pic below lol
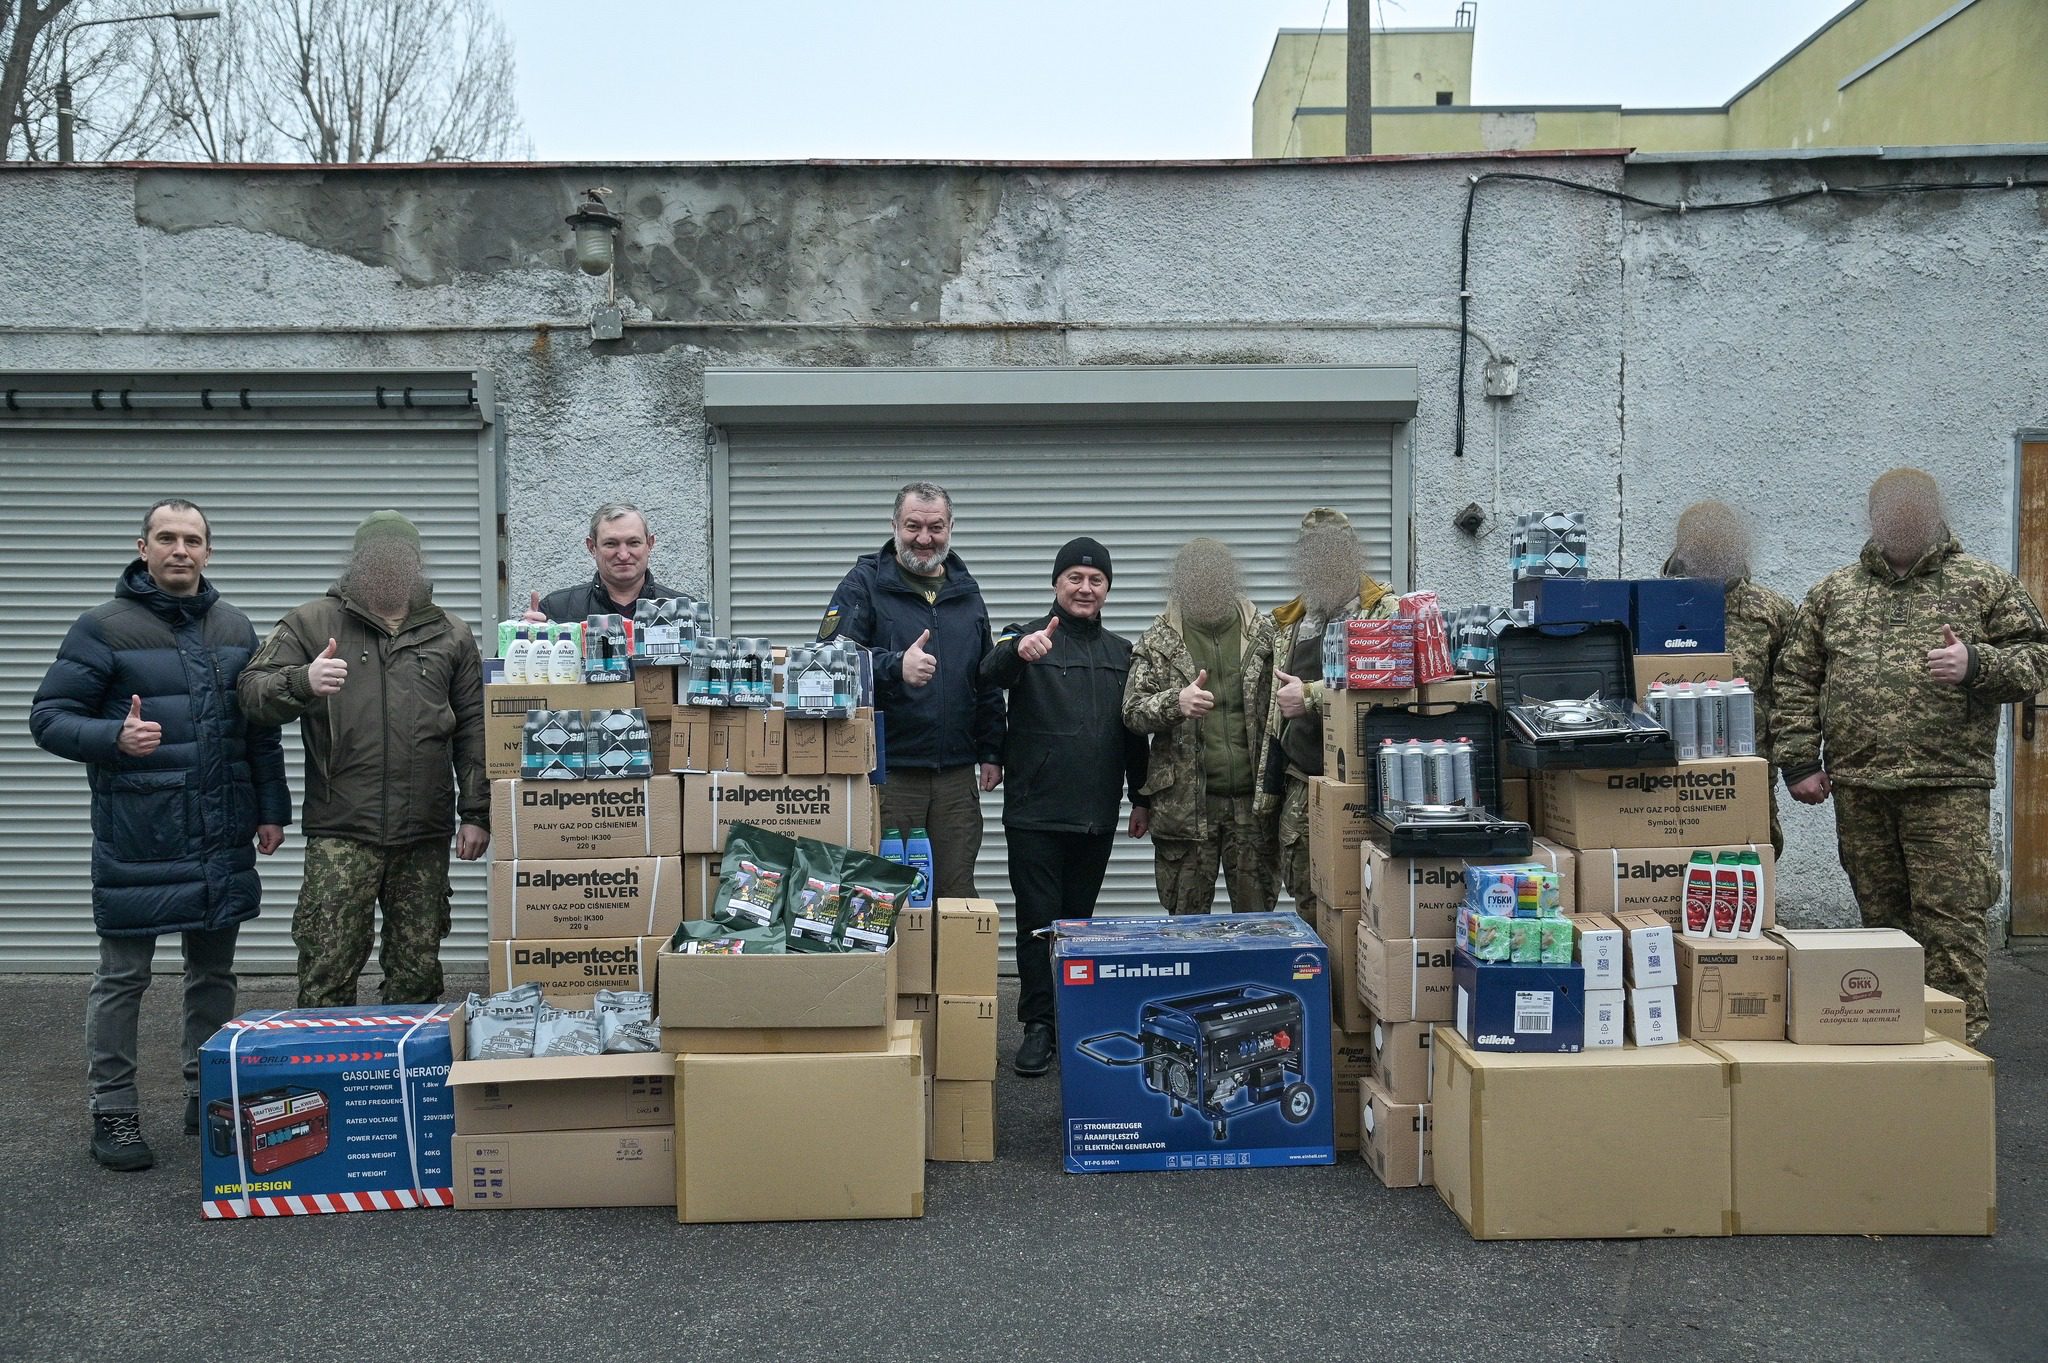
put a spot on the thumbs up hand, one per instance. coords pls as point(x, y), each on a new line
point(1032, 647)
point(139, 737)
point(1195, 700)
point(918, 665)
point(1950, 663)
point(1292, 695)
point(326, 673)
point(534, 615)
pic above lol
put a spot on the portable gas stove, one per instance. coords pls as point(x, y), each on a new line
point(1589, 725)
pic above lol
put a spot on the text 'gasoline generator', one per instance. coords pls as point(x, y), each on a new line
point(280, 1126)
point(1223, 1053)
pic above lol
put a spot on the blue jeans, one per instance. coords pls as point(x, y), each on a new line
point(113, 1009)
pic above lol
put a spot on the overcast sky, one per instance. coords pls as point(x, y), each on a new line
point(1056, 79)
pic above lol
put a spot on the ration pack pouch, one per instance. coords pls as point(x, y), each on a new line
point(846, 900)
point(752, 878)
point(563, 1031)
point(501, 1026)
point(705, 937)
point(625, 1021)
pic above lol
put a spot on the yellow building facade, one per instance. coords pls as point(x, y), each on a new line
point(1880, 73)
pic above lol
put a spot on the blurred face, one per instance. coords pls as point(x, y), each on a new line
point(621, 550)
point(1081, 592)
point(924, 536)
point(175, 550)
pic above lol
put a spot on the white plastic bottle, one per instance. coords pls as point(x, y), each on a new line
point(519, 657)
point(565, 659)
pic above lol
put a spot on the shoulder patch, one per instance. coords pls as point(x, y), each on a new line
point(829, 626)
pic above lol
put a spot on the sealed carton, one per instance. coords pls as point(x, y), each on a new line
point(850, 748)
point(1609, 1143)
point(963, 1121)
point(1406, 979)
point(1350, 1054)
point(622, 1167)
point(1709, 802)
point(1394, 1137)
point(1668, 669)
point(1652, 962)
point(1861, 1140)
point(700, 885)
point(555, 819)
point(1515, 801)
point(796, 1001)
point(505, 707)
point(1520, 1008)
point(689, 739)
point(660, 750)
point(967, 1038)
point(747, 740)
point(1462, 690)
point(654, 689)
point(1346, 1123)
point(1401, 1054)
point(835, 809)
point(558, 1093)
point(1945, 1015)
point(916, 951)
point(587, 897)
point(1338, 930)
point(570, 972)
point(923, 1011)
point(1853, 986)
point(1343, 753)
point(1606, 1017)
point(1652, 879)
point(1602, 948)
point(1410, 896)
point(803, 746)
point(1339, 817)
point(1653, 1016)
point(969, 931)
point(1731, 989)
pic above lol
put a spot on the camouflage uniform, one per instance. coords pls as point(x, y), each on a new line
point(1195, 834)
point(1759, 621)
point(346, 881)
point(1912, 760)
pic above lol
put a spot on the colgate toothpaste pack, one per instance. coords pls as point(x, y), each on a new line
point(1369, 655)
point(1432, 643)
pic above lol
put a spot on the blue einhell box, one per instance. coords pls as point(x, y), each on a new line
point(1561, 600)
point(1526, 1008)
point(1680, 615)
point(326, 1110)
point(1194, 1043)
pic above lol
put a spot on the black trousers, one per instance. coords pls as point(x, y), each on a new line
point(1052, 876)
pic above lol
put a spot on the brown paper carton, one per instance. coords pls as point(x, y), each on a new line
point(559, 1093)
point(1343, 759)
point(923, 1010)
point(1731, 989)
point(1338, 929)
point(1395, 1138)
point(836, 809)
point(629, 1167)
point(1350, 1054)
point(689, 739)
point(1946, 1015)
point(505, 707)
point(747, 740)
point(968, 933)
point(967, 1038)
point(963, 1121)
point(803, 746)
point(799, 1001)
point(1344, 1114)
point(571, 972)
point(1652, 879)
point(850, 744)
point(916, 951)
point(586, 897)
point(1853, 986)
point(654, 689)
point(587, 818)
point(1401, 1054)
point(1653, 669)
point(1404, 979)
point(1711, 802)
point(1338, 822)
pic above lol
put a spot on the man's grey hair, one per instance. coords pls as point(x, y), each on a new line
point(176, 504)
point(923, 492)
point(611, 511)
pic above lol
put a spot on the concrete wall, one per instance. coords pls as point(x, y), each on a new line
point(1779, 357)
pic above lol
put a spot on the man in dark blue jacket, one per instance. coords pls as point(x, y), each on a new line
point(185, 792)
point(915, 607)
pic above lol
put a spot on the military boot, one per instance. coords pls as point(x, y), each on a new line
point(117, 1141)
point(191, 1114)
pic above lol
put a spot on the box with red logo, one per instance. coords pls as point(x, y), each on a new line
point(1194, 1043)
point(1432, 645)
point(1372, 655)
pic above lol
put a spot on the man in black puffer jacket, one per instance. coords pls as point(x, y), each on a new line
point(185, 792)
point(1067, 761)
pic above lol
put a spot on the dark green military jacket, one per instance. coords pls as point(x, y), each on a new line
point(1160, 666)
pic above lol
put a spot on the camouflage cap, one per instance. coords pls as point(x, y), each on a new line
point(1319, 516)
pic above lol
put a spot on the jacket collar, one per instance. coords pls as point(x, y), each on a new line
point(1247, 617)
point(1878, 566)
point(421, 610)
point(138, 586)
point(958, 580)
point(1370, 593)
point(1076, 625)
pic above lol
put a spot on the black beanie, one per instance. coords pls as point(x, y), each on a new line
point(1082, 553)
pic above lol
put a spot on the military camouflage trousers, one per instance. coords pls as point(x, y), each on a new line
point(1920, 861)
point(1239, 845)
point(1294, 847)
point(346, 883)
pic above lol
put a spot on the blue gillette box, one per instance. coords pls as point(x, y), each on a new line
point(1526, 1008)
point(313, 1110)
point(1561, 600)
point(1679, 615)
point(1197, 1042)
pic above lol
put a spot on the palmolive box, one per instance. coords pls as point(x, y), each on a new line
point(1197, 1042)
point(628, 818)
point(1708, 802)
point(1731, 989)
point(570, 972)
point(1853, 986)
point(587, 897)
point(835, 809)
point(1652, 879)
point(506, 704)
point(1394, 1137)
point(1404, 979)
point(313, 1110)
point(1343, 757)
point(1339, 818)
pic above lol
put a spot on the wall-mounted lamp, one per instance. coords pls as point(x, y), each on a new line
point(596, 228)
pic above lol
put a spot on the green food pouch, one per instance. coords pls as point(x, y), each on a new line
point(705, 937)
point(815, 896)
point(753, 878)
point(872, 894)
point(1555, 936)
point(1525, 941)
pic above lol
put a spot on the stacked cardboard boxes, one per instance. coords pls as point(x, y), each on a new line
point(961, 1006)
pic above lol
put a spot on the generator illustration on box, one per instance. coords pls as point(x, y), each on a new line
point(1194, 1043)
point(278, 1126)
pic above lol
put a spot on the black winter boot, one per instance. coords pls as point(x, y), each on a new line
point(1034, 1053)
point(191, 1114)
point(117, 1141)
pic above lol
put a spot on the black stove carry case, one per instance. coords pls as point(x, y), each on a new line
point(1495, 835)
point(1571, 661)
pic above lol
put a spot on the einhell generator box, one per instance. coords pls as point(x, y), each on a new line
point(1194, 1043)
point(326, 1110)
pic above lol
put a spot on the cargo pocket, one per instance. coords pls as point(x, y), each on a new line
point(149, 815)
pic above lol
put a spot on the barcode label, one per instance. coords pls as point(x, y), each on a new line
point(1746, 1007)
point(1533, 1010)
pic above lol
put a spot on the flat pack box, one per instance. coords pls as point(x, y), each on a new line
point(1862, 1140)
point(1525, 1146)
point(1338, 930)
point(1731, 989)
point(1193, 1043)
point(1401, 1054)
point(1525, 1009)
point(781, 1002)
point(617, 1167)
point(1853, 986)
point(1394, 1137)
point(1669, 669)
point(571, 971)
point(559, 1092)
point(556, 819)
point(1946, 1015)
point(1338, 820)
point(1652, 879)
point(801, 1137)
point(506, 704)
point(747, 740)
point(967, 1038)
point(586, 897)
point(963, 1121)
point(326, 1110)
point(967, 936)
point(916, 949)
point(835, 809)
point(654, 689)
point(922, 1010)
point(1707, 802)
point(1344, 756)
point(1406, 979)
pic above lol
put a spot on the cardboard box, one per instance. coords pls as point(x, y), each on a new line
point(850, 745)
point(1230, 1009)
point(505, 707)
point(700, 885)
point(1462, 691)
point(1731, 989)
point(963, 1121)
point(747, 740)
point(1525, 1146)
point(559, 1093)
point(1653, 1016)
point(1521, 1008)
point(1652, 879)
point(836, 809)
point(1853, 986)
point(627, 1167)
point(1401, 1054)
point(916, 951)
point(689, 739)
point(803, 746)
point(1345, 1123)
point(798, 1001)
point(1338, 930)
point(1606, 1017)
point(1350, 1054)
point(967, 1038)
point(1862, 1140)
point(1602, 948)
point(586, 897)
point(1946, 1015)
point(1652, 960)
point(1410, 896)
point(1679, 615)
point(1338, 821)
point(969, 931)
point(654, 689)
point(632, 818)
point(801, 1137)
point(1668, 669)
point(1710, 802)
point(1555, 856)
point(1394, 1137)
point(326, 1110)
point(1343, 759)
point(1406, 979)
point(571, 972)
point(1516, 802)
point(923, 1011)
point(660, 751)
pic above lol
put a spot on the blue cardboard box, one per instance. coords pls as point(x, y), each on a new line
point(1532, 1009)
point(315, 1110)
point(1560, 600)
point(1680, 615)
point(1194, 1043)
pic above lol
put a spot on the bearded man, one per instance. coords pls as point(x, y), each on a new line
point(1199, 683)
point(1329, 567)
point(1888, 699)
point(388, 689)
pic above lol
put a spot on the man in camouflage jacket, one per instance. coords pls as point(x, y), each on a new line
point(1888, 699)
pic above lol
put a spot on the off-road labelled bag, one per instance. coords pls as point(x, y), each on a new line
point(625, 1021)
point(845, 900)
point(501, 1026)
point(562, 1031)
point(752, 878)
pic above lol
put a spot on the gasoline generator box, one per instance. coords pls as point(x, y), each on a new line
point(1194, 1043)
point(313, 1110)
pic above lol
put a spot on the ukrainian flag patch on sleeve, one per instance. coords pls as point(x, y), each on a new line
point(829, 626)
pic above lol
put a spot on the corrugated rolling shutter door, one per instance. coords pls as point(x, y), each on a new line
point(283, 488)
point(800, 503)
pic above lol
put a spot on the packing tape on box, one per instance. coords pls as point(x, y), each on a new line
point(241, 1203)
point(653, 897)
point(1537, 849)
